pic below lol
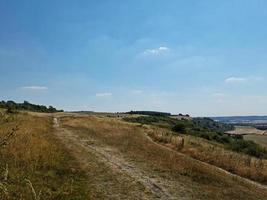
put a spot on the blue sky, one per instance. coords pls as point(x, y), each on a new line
point(205, 58)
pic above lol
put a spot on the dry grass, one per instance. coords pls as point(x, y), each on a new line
point(240, 164)
point(38, 167)
point(260, 139)
point(200, 181)
point(244, 130)
point(207, 151)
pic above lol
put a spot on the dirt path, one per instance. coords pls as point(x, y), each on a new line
point(123, 170)
point(114, 161)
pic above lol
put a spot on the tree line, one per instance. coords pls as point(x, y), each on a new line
point(151, 113)
point(12, 106)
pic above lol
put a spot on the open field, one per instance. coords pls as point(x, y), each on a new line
point(246, 130)
point(126, 150)
point(260, 139)
point(100, 156)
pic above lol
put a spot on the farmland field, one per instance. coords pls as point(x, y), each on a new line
point(246, 130)
point(260, 139)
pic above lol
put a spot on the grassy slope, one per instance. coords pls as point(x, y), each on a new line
point(183, 175)
point(206, 150)
point(35, 154)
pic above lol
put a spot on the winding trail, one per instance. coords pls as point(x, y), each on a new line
point(122, 176)
point(114, 161)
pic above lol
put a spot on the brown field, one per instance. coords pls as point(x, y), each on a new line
point(260, 139)
point(89, 156)
point(246, 130)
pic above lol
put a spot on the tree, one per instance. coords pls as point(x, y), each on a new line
point(179, 128)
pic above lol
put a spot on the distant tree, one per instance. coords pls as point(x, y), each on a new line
point(12, 106)
point(52, 109)
point(151, 113)
point(179, 128)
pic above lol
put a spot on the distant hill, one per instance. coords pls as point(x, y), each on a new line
point(241, 119)
point(11, 106)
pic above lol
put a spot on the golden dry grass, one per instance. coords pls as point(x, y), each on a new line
point(199, 180)
point(240, 164)
point(38, 161)
point(242, 130)
point(213, 153)
point(38, 166)
point(260, 139)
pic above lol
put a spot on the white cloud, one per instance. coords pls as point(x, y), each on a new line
point(104, 94)
point(235, 80)
point(156, 51)
point(33, 87)
point(250, 79)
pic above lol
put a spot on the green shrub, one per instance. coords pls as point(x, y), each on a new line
point(248, 147)
point(11, 106)
point(179, 128)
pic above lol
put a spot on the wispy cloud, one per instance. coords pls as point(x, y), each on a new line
point(234, 79)
point(157, 51)
point(103, 94)
point(250, 79)
point(34, 87)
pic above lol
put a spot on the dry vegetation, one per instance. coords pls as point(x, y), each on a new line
point(213, 153)
point(183, 176)
point(33, 163)
point(36, 163)
point(245, 130)
point(260, 139)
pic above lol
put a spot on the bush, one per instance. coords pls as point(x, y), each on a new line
point(179, 128)
point(248, 147)
point(11, 110)
point(225, 139)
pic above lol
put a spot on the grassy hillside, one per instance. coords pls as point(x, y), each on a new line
point(33, 164)
point(98, 156)
point(182, 176)
point(208, 144)
point(205, 128)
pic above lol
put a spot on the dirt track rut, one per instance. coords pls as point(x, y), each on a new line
point(113, 160)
